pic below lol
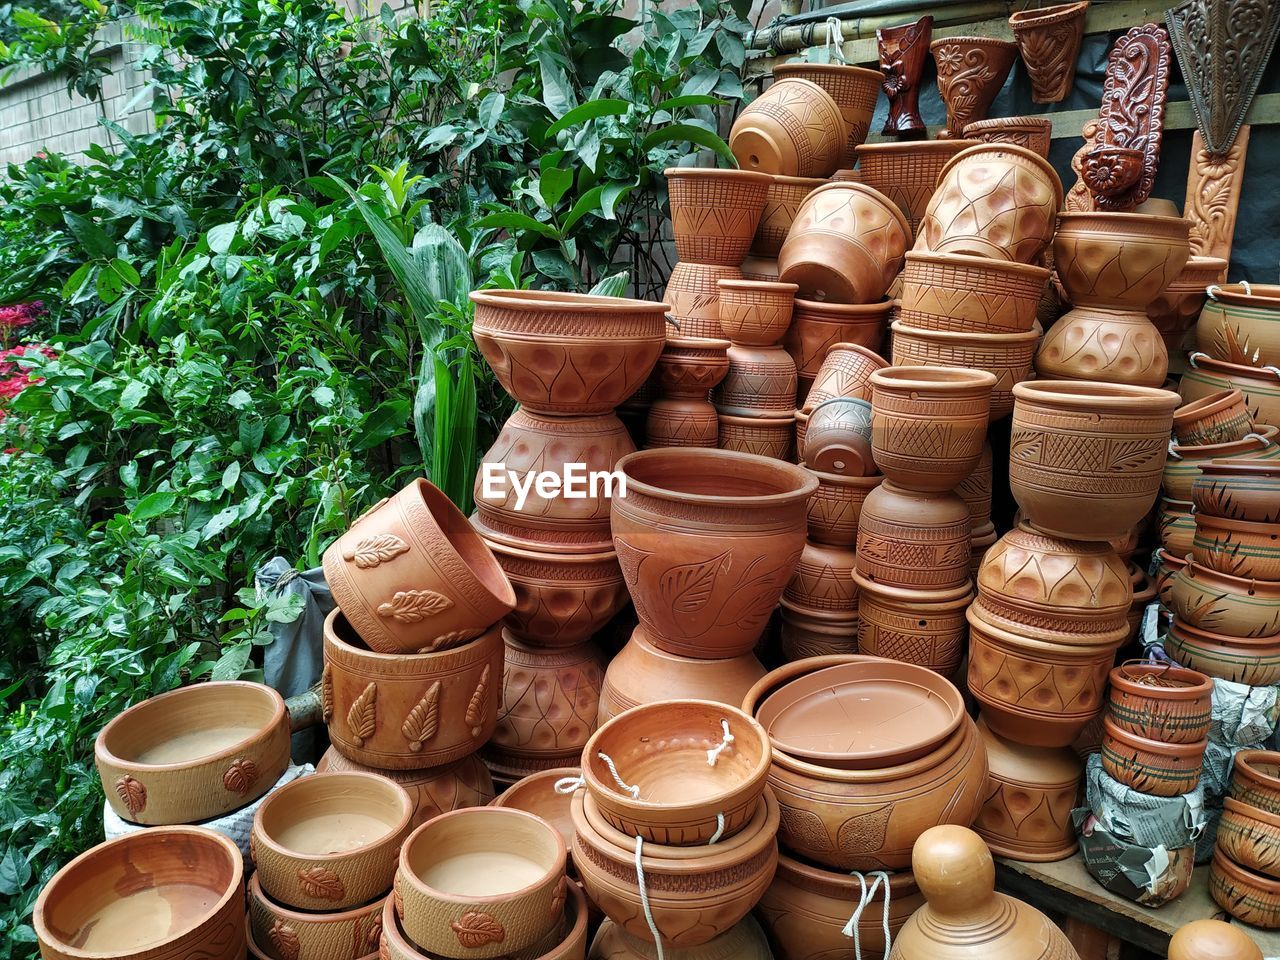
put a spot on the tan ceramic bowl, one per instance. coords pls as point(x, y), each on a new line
point(283, 933)
point(331, 840)
point(434, 790)
point(257, 953)
point(149, 895)
point(1221, 603)
point(481, 882)
point(1243, 893)
point(195, 753)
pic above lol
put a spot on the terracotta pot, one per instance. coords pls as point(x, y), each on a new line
point(530, 442)
point(1261, 388)
point(258, 953)
point(772, 438)
point(687, 370)
point(854, 89)
point(714, 213)
point(903, 50)
point(1241, 324)
point(193, 754)
point(1255, 662)
point(1167, 567)
point(806, 908)
point(1160, 702)
point(869, 819)
point(929, 424)
point(1177, 526)
point(975, 491)
point(765, 268)
point(1238, 490)
point(282, 932)
point(1175, 311)
point(793, 129)
point(1243, 893)
point(982, 540)
point(433, 791)
point(1231, 606)
point(845, 372)
point(1033, 133)
point(755, 312)
point(921, 627)
point(812, 632)
point(823, 579)
point(103, 903)
point(913, 540)
point(571, 354)
point(692, 899)
point(1212, 940)
point(846, 245)
point(1085, 459)
point(1097, 344)
point(1250, 837)
point(729, 527)
point(760, 384)
point(693, 290)
point(967, 294)
point(907, 173)
point(836, 507)
point(1031, 793)
point(1006, 356)
point(837, 438)
point(743, 941)
point(781, 203)
point(1183, 466)
point(537, 794)
point(816, 328)
point(1118, 260)
point(408, 712)
point(1153, 767)
point(1049, 41)
point(481, 882)
point(1255, 780)
point(1238, 547)
point(971, 71)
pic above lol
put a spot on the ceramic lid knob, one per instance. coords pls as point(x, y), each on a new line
point(954, 870)
point(1212, 940)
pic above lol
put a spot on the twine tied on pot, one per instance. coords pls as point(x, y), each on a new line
point(851, 929)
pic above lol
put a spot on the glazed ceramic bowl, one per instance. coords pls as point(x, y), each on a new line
point(1153, 767)
point(1255, 779)
point(837, 438)
point(282, 932)
point(1177, 526)
point(692, 782)
point(794, 129)
point(1218, 418)
point(845, 372)
point(1261, 387)
point(836, 507)
point(1183, 466)
point(330, 841)
point(1243, 893)
point(1241, 321)
point(1238, 547)
point(1250, 837)
point(1252, 661)
point(962, 293)
point(434, 790)
point(412, 576)
point(755, 312)
point(922, 627)
point(1007, 356)
point(481, 882)
point(103, 904)
point(572, 354)
point(1118, 260)
point(409, 711)
point(854, 89)
point(1159, 701)
point(816, 328)
point(1232, 606)
point(193, 754)
point(1247, 490)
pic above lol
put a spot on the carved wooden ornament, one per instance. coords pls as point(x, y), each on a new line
point(903, 51)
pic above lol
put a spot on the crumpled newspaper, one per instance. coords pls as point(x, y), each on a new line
point(1243, 715)
point(1151, 876)
point(1140, 818)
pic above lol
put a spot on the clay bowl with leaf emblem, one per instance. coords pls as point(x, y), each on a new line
point(282, 932)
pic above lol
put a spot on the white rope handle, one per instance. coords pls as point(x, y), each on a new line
point(853, 927)
point(1196, 355)
point(1211, 291)
point(715, 837)
point(1266, 442)
point(714, 753)
point(622, 784)
point(1172, 451)
point(1248, 290)
point(1271, 369)
point(567, 785)
point(835, 34)
point(644, 897)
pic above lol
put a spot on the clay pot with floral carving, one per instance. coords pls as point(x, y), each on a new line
point(1218, 418)
point(915, 540)
point(845, 372)
point(769, 437)
point(1176, 310)
point(281, 931)
point(1049, 40)
point(836, 507)
point(434, 790)
point(760, 383)
point(714, 213)
point(837, 438)
point(971, 71)
point(780, 207)
point(846, 245)
point(817, 327)
point(693, 291)
point(794, 128)
point(1240, 323)
point(687, 370)
point(967, 294)
point(1033, 133)
point(1227, 605)
point(813, 632)
point(1261, 388)
point(907, 173)
point(854, 89)
point(1159, 701)
point(1182, 467)
point(913, 625)
point(1238, 490)
point(1006, 356)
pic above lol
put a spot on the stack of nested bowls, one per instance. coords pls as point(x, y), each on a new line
point(1260, 385)
point(845, 371)
point(1244, 878)
point(867, 754)
point(325, 849)
point(819, 327)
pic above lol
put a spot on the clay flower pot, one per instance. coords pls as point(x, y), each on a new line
point(433, 791)
point(816, 328)
point(1118, 260)
point(103, 904)
point(807, 631)
point(1096, 344)
point(1177, 526)
point(1160, 702)
point(780, 206)
point(693, 290)
point(1049, 41)
point(693, 895)
point(687, 370)
point(724, 528)
point(1176, 310)
point(1167, 566)
point(714, 213)
point(1261, 388)
point(1210, 940)
point(921, 627)
point(1243, 893)
point(794, 129)
point(642, 673)
point(193, 754)
point(281, 932)
point(838, 438)
point(537, 794)
point(1250, 837)
point(907, 173)
point(1255, 779)
point(971, 71)
point(1221, 603)
point(482, 882)
point(760, 384)
point(258, 953)
point(975, 491)
point(845, 372)
point(754, 312)
point(408, 712)
point(929, 424)
point(1241, 323)
point(836, 507)
point(806, 908)
point(1218, 418)
point(572, 354)
point(1238, 490)
point(994, 200)
point(1151, 766)
point(1033, 133)
point(824, 580)
point(1252, 661)
point(913, 540)
point(854, 89)
point(846, 245)
point(412, 575)
point(1183, 465)
point(1006, 356)
point(1238, 547)
point(1085, 459)
point(966, 294)
point(769, 437)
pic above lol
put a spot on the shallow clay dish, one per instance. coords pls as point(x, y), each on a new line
point(195, 753)
point(330, 841)
point(282, 932)
point(164, 893)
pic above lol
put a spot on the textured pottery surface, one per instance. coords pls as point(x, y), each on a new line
point(824, 579)
point(693, 291)
point(1238, 547)
point(794, 129)
point(193, 754)
point(1034, 133)
point(1218, 418)
point(743, 941)
point(1241, 324)
point(683, 417)
point(907, 173)
point(1118, 260)
point(971, 71)
point(1238, 490)
point(911, 539)
point(903, 51)
point(1255, 662)
point(1255, 779)
point(1049, 40)
point(106, 902)
point(755, 312)
point(1176, 310)
point(975, 491)
point(812, 632)
point(961, 294)
point(1221, 603)
point(408, 712)
point(1214, 184)
point(714, 213)
point(921, 627)
point(838, 438)
point(1250, 837)
point(1160, 702)
point(1115, 346)
point(1007, 356)
point(836, 507)
point(769, 437)
point(435, 790)
point(816, 327)
point(780, 205)
point(854, 89)
point(1183, 466)
point(1212, 940)
point(761, 383)
point(283, 933)
point(1261, 388)
point(1153, 767)
point(537, 794)
point(845, 372)
point(1243, 893)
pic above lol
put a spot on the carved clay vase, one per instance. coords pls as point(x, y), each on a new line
point(714, 213)
point(971, 71)
point(693, 291)
point(837, 438)
point(854, 89)
point(903, 50)
point(809, 632)
point(816, 327)
point(965, 917)
point(846, 245)
point(824, 580)
point(907, 173)
point(760, 383)
point(911, 539)
point(1240, 323)
point(794, 129)
point(836, 507)
point(1049, 41)
point(687, 371)
point(969, 294)
point(1176, 310)
point(1006, 356)
point(1261, 388)
point(1031, 793)
point(1212, 940)
point(780, 207)
point(1034, 133)
point(845, 372)
point(435, 790)
point(727, 528)
point(912, 625)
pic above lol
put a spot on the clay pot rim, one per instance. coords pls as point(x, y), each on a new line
point(712, 462)
point(974, 40)
point(837, 69)
point(838, 480)
point(901, 882)
point(834, 617)
point(908, 146)
point(200, 834)
point(1179, 226)
point(1253, 528)
point(551, 556)
point(1242, 809)
point(1244, 763)
point(769, 286)
point(1173, 561)
point(331, 636)
point(103, 752)
point(975, 262)
point(1181, 751)
point(1092, 395)
point(1264, 589)
point(938, 601)
point(837, 310)
point(857, 186)
point(1194, 683)
point(741, 421)
point(943, 380)
point(1244, 875)
point(812, 182)
point(1209, 638)
point(1002, 123)
point(1195, 410)
point(967, 336)
point(1236, 294)
point(1228, 467)
point(1198, 361)
point(1047, 15)
point(1111, 640)
point(468, 549)
point(1262, 436)
point(697, 343)
point(503, 799)
point(310, 917)
point(983, 147)
point(585, 303)
point(747, 176)
point(1190, 504)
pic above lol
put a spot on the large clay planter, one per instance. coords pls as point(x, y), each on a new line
point(693, 895)
point(407, 712)
point(824, 580)
point(1255, 662)
point(1151, 766)
point(572, 354)
point(1183, 466)
point(642, 673)
point(971, 71)
point(907, 173)
point(743, 941)
point(1049, 41)
point(854, 89)
point(1093, 343)
point(780, 206)
point(103, 904)
point(1031, 792)
point(1085, 459)
point(1007, 356)
point(1033, 133)
point(1238, 490)
point(1218, 418)
point(1175, 311)
point(707, 541)
point(769, 437)
point(806, 908)
point(1250, 837)
point(816, 328)
point(836, 507)
point(435, 790)
point(1160, 702)
point(967, 294)
point(1241, 324)
point(760, 384)
point(714, 213)
point(1261, 388)
point(193, 754)
point(845, 372)
point(846, 245)
point(412, 575)
point(1238, 547)
point(794, 129)
point(693, 290)
point(1221, 603)
point(811, 632)
point(929, 424)
point(914, 540)
point(282, 932)
point(687, 370)
point(923, 627)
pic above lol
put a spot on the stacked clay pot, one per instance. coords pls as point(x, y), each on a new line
point(906, 173)
point(1240, 323)
point(1244, 878)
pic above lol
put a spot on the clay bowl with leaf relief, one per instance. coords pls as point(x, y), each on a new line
point(330, 841)
point(195, 753)
point(258, 953)
point(282, 932)
point(698, 767)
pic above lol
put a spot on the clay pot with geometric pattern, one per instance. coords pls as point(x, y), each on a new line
point(836, 507)
point(794, 129)
point(1033, 133)
point(1227, 605)
point(769, 437)
point(907, 172)
point(845, 372)
point(1237, 547)
point(687, 370)
point(969, 294)
point(824, 579)
point(837, 438)
point(755, 312)
point(1254, 661)
point(912, 625)
point(1154, 767)
point(816, 327)
point(913, 540)
point(1238, 490)
point(1218, 418)
point(714, 213)
point(854, 89)
point(812, 632)
point(693, 291)
point(760, 383)
point(780, 206)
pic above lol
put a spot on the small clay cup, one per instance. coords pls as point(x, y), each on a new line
point(282, 932)
point(755, 312)
point(1231, 606)
point(1244, 894)
point(1161, 702)
point(1238, 547)
point(1255, 780)
point(1151, 766)
point(1238, 490)
point(1218, 418)
point(1250, 837)
point(837, 438)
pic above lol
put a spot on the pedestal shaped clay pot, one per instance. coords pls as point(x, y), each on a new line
point(687, 370)
point(1049, 40)
point(794, 129)
point(903, 50)
point(854, 89)
point(714, 213)
point(971, 71)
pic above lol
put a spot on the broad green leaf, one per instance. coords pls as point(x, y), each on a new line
point(220, 237)
point(134, 392)
point(510, 220)
point(588, 111)
point(557, 92)
point(390, 418)
point(614, 285)
point(553, 184)
point(687, 132)
point(153, 505)
point(91, 236)
point(589, 202)
point(231, 475)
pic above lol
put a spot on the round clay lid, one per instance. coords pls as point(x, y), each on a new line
point(1212, 940)
point(857, 716)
